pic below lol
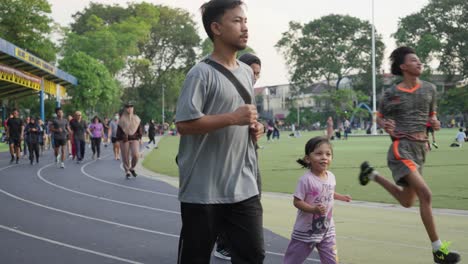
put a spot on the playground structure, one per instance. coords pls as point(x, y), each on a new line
point(23, 74)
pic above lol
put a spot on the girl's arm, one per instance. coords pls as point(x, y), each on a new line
point(307, 208)
point(341, 197)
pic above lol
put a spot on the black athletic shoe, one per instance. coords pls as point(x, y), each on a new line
point(444, 256)
point(133, 173)
point(222, 253)
point(127, 175)
point(366, 170)
point(12, 159)
point(17, 160)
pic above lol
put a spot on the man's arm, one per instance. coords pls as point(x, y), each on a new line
point(244, 115)
point(22, 131)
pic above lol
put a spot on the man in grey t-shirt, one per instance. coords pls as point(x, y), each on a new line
point(217, 161)
point(60, 131)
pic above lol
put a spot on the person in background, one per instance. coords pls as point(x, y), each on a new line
point(34, 134)
point(151, 133)
point(79, 128)
point(96, 130)
point(113, 125)
point(26, 138)
point(60, 129)
point(15, 132)
point(460, 137)
point(129, 134)
point(105, 124)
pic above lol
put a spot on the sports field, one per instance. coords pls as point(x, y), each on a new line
point(3, 147)
point(445, 170)
point(366, 232)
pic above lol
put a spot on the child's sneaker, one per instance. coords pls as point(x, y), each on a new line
point(435, 145)
point(366, 170)
point(444, 256)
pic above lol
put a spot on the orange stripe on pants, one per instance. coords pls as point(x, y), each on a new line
point(408, 163)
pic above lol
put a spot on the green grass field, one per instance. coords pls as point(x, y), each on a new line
point(365, 234)
point(445, 168)
point(3, 147)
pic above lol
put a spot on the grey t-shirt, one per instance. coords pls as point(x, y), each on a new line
point(410, 108)
point(63, 124)
point(218, 167)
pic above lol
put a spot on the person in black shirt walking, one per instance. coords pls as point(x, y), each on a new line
point(15, 132)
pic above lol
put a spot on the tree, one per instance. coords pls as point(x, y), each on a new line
point(455, 101)
point(96, 90)
point(207, 48)
point(115, 36)
point(27, 24)
point(164, 60)
point(329, 48)
point(438, 31)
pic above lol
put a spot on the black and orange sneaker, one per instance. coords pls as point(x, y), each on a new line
point(366, 170)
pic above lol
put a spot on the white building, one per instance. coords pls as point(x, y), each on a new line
point(274, 102)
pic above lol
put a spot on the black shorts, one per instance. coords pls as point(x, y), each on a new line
point(429, 130)
point(59, 142)
point(14, 141)
point(114, 140)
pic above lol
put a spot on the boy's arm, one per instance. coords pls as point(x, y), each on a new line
point(341, 197)
point(307, 208)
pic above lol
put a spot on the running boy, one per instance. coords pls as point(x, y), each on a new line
point(403, 112)
point(314, 198)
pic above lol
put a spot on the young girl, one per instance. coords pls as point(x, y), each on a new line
point(314, 196)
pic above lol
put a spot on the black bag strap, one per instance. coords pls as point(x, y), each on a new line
point(228, 74)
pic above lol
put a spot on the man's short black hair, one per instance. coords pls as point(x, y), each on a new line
point(213, 10)
point(57, 109)
point(398, 57)
point(249, 59)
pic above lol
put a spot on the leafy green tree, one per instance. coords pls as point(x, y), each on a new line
point(27, 24)
point(207, 48)
point(114, 37)
point(438, 32)
point(109, 14)
point(455, 101)
point(164, 60)
point(96, 89)
point(328, 48)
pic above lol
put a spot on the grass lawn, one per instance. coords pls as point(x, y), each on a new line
point(445, 169)
point(3, 147)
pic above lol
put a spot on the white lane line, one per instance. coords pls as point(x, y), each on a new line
point(39, 174)
point(377, 222)
point(282, 255)
point(88, 217)
point(123, 186)
point(105, 221)
point(389, 243)
point(176, 236)
point(101, 220)
point(68, 245)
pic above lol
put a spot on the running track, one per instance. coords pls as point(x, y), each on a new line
point(89, 213)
